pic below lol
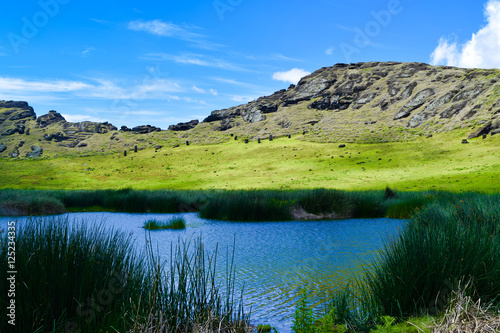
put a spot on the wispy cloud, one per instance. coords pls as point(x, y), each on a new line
point(329, 51)
point(98, 21)
point(156, 88)
point(195, 59)
point(293, 76)
point(481, 51)
point(243, 99)
point(76, 118)
point(13, 84)
point(203, 91)
point(165, 29)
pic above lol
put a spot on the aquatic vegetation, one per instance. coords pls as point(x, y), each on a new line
point(175, 223)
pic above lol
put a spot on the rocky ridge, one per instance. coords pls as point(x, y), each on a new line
point(363, 102)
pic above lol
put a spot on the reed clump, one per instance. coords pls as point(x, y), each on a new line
point(177, 223)
point(79, 276)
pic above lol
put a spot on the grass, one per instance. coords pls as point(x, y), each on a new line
point(438, 163)
point(453, 240)
point(79, 276)
point(175, 223)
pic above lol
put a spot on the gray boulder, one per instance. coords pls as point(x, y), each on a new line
point(2, 147)
point(36, 151)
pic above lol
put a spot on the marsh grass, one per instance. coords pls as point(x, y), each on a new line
point(175, 223)
point(79, 276)
point(448, 240)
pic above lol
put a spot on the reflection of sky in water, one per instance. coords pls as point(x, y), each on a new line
point(273, 260)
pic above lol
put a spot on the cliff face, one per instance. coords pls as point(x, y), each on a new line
point(349, 98)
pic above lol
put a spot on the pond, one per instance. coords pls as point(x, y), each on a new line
point(274, 260)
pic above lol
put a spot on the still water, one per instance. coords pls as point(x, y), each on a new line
point(273, 260)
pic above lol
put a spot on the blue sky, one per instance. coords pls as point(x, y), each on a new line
point(162, 62)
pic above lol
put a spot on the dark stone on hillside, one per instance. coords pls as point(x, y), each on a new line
point(184, 126)
point(469, 94)
point(82, 144)
point(10, 131)
point(21, 143)
point(36, 151)
point(465, 141)
point(69, 144)
point(88, 127)
point(471, 112)
point(125, 129)
point(246, 140)
point(50, 118)
point(135, 149)
point(48, 137)
point(24, 114)
point(414, 103)
point(408, 91)
point(270, 138)
point(124, 153)
point(226, 124)
point(14, 104)
point(341, 146)
point(59, 136)
point(144, 129)
point(2, 147)
point(456, 108)
point(253, 115)
point(21, 128)
point(481, 131)
point(320, 104)
point(14, 153)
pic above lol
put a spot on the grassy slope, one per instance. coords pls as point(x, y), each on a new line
point(440, 163)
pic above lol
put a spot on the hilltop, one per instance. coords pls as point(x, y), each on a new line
point(373, 102)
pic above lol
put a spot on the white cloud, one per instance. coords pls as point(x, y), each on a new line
point(292, 76)
point(199, 90)
point(154, 88)
point(329, 51)
point(194, 59)
point(12, 84)
point(203, 91)
point(243, 99)
point(481, 51)
point(76, 118)
point(164, 29)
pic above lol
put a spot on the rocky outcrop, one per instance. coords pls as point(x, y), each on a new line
point(144, 129)
point(411, 95)
point(2, 147)
point(414, 103)
point(88, 127)
point(251, 112)
point(18, 112)
point(184, 126)
point(36, 151)
point(50, 118)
